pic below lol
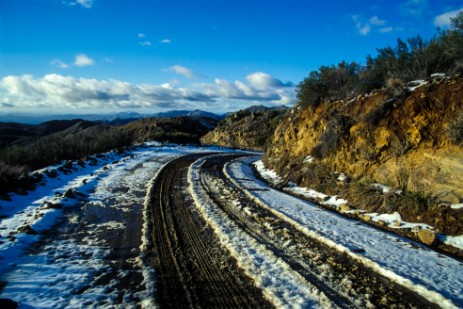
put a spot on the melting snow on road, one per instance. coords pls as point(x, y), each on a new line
point(59, 251)
point(280, 284)
point(435, 276)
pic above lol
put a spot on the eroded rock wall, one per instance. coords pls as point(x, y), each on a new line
point(402, 141)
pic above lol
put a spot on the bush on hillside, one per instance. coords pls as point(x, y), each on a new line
point(455, 131)
point(408, 60)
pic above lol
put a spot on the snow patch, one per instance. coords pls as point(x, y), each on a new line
point(413, 85)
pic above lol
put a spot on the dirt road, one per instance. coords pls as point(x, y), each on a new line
point(193, 270)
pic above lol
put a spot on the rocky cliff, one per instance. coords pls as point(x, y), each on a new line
point(248, 129)
point(409, 138)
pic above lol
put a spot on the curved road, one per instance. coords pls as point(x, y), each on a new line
point(193, 270)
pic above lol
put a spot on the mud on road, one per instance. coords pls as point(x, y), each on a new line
point(194, 271)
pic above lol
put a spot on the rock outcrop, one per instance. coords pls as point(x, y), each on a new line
point(248, 129)
point(412, 142)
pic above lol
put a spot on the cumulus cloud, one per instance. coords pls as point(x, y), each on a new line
point(55, 91)
point(444, 20)
point(184, 71)
point(262, 80)
point(82, 60)
point(165, 41)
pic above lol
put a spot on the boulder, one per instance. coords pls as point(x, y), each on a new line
point(365, 218)
point(70, 194)
point(427, 237)
point(27, 229)
point(53, 205)
point(344, 207)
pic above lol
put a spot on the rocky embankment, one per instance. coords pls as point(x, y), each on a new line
point(409, 138)
point(247, 129)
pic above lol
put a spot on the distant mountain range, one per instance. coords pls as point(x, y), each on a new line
point(113, 118)
point(122, 117)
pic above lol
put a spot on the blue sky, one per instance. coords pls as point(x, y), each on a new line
point(105, 55)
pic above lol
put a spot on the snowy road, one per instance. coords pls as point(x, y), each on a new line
point(176, 227)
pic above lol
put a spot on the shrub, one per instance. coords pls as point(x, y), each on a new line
point(380, 112)
point(395, 86)
point(455, 131)
point(319, 177)
point(330, 140)
point(408, 60)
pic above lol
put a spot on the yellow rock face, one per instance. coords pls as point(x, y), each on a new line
point(399, 142)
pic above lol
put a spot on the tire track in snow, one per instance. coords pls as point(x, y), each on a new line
point(347, 283)
point(190, 271)
point(283, 286)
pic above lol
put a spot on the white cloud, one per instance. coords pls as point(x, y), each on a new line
point(363, 27)
point(145, 43)
point(184, 71)
point(60, 64)
point(56, 91)
point(376, 21)
point(141, 35)
point(165, 41)
point(262, 80)
point(82, 60)
point(85, 3)
point(444, 20)
point(414, 7)
point(386, 29)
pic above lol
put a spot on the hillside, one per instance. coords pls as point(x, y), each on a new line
point(12, 133)
point(30, 147)
point(409, 139)
point(182, 129)
point(249, 129)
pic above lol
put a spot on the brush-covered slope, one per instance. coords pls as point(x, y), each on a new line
point(176, 129)
point(248, 129)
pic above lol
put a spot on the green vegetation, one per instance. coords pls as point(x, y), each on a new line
point(410, 60)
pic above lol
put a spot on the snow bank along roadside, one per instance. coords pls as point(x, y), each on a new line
point(149, 273)
point(430, 274)
point(393, 220)
point(279, 283)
